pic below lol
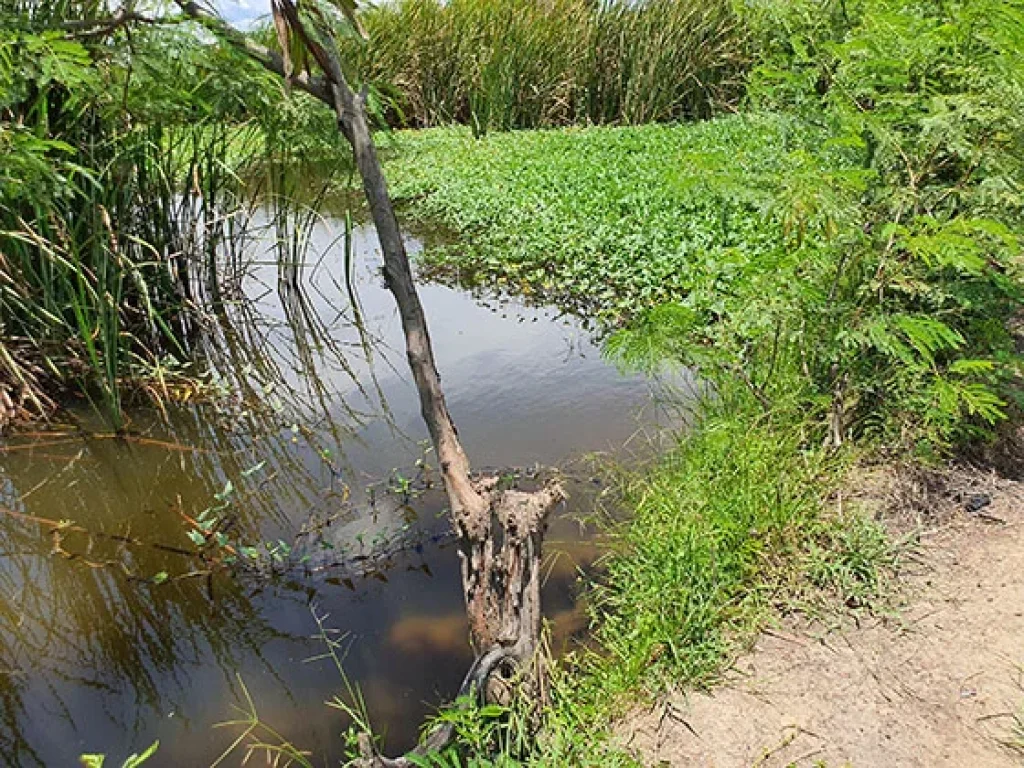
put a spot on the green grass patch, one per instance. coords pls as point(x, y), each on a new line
point(719, 527)
point(605, 221)
point(732, 529)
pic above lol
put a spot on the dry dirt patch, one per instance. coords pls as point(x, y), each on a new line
point(936, 685)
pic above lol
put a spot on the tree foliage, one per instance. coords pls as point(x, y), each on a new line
point(901, 271)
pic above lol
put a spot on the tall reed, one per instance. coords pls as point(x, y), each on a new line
point(119, 189)
point(506, 64)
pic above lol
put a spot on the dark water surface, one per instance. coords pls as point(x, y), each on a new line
point(323, 421)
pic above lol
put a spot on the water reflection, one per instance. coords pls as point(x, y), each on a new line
point(94, 656)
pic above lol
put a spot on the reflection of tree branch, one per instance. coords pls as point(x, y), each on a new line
point(59, 526)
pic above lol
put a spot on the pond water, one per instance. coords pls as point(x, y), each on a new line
point(321, 433)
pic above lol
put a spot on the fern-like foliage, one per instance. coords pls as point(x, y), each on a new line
point(884, 300)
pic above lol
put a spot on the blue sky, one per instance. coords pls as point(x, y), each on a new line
point(242, 13)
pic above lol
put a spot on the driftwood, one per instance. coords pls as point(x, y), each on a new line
point(499, 531)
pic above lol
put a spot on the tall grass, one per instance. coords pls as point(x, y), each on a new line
point(101, 275)
point(127, 167)
point(502, 64)
point(94, 219)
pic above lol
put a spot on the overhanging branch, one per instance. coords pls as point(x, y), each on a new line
point(270, 60)
point(88, 28)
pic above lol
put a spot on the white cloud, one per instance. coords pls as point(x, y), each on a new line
point(242, 13)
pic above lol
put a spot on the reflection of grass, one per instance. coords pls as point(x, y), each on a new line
point(96, 638)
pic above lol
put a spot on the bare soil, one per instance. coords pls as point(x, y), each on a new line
point(938, 683)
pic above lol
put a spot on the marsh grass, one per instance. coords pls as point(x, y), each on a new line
point(109, 216)
point(130, 172)
point(523, 64)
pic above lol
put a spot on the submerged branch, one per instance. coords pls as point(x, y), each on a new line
point(473, 685)
point(65, 525)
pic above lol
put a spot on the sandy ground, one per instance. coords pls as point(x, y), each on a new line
point(935, 685)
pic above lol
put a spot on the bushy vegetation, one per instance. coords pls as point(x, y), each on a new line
point(501, 64)
point(841, 263)
point(866, 257)
point(119, 180)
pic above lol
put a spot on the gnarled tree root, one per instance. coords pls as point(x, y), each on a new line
point(501, 563)
point(474, 684)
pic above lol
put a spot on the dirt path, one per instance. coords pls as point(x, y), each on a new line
point(936, 686)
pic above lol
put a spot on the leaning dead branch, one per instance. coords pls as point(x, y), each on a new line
point(500, 532)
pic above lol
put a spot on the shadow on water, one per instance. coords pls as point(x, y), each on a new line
point(320, 439)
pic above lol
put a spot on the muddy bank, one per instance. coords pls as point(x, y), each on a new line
point(937, 683)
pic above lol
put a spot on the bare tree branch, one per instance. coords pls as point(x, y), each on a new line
point(87, 28)
point(500, 531)
point(272, 61)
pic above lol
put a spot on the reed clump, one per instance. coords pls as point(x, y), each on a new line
point(109, 212)
point(504, 64)
point(129, 169)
